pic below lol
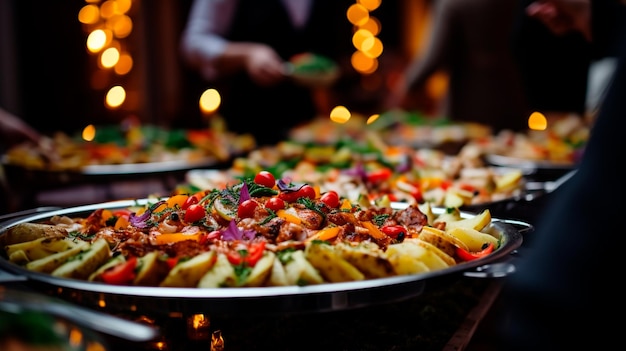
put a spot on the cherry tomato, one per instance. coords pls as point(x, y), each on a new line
point(289, 196)
point(330, 198)
point(121, 274)
point(379, 175)
point(394, 231)
point(194, 213)
point(275, 204)
point(307, 191)
point(246, 209)
point(265, 178)
point(190, 201)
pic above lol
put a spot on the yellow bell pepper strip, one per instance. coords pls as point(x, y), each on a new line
point(327, 233)
point(289, 217)
point(175, 237)
point(469, 256)
point(374, 231)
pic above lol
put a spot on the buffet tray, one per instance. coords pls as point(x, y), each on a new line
point(246, 300)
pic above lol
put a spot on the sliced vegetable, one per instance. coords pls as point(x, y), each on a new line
point(468, 255)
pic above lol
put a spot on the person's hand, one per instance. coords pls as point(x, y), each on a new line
point(563, 16)
point(15, 130)
point(264, 65)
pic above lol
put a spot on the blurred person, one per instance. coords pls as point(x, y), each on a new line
point(555, 61)
point(14, 130)
point(471, 41)
point(242, 46)
point(564, 293)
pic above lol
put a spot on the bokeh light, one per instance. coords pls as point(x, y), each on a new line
point(537, 121)
point(115, 97)
point(340, 114)
point(210, 101)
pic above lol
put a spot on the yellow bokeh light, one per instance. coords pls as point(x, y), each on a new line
point(210, 101)
point(372, 47)
point(121, 25)
point(123, 6)
point(108, 9)
point(115, 97)
point(96, 40)
point(89, 133)
point(372, 118)
point(371, 5)
point(89, 14)
point(124, 64)
point(360, 36)
point(537, 121)
point(357, 14)
point(109, 57)
point(372, 25)
point(340, 114)
point(363, 64)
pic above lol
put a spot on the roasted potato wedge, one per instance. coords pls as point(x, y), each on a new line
point(50, 263)
point(261, 270)
point(368, 259)
point(404, 259)
point(278, 275)
point(80, 266)
point(330, 264)
point(477, 222)
point(188, 273)
point(299, 271)
point(220, 275)
point(152, 270)
point(473, 238)
point(24, 232)
point(38, 248)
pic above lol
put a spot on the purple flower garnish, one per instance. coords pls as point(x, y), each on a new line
point(357, 171)
point(235, 233)
point(142, 221)
point(244, 194)
point(284, 184)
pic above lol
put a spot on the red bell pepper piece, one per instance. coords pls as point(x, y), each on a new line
point(468, 256)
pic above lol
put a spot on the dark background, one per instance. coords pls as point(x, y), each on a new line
point(45, 69)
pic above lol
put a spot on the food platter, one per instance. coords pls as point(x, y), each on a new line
point(528, 164)
point(278, 299)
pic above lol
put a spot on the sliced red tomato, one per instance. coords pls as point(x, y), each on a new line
point(234, 257)
point(255, 252)
point(123, 273)
point(250, 256)
point(171, 262)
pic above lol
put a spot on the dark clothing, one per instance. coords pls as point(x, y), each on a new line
point(566, 292)
point(268, 113)
point(471, 40)
point(554, 68)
